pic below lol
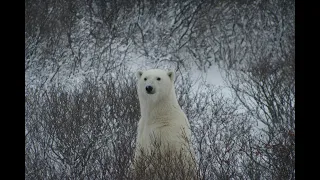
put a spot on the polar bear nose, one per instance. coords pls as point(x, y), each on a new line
point(149, 89)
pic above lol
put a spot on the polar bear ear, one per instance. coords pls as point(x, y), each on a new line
point(139, 74)
point(171, 75)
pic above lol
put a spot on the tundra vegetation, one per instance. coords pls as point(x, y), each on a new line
point(81, 104)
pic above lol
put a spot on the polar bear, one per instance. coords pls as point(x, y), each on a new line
point(162, 119)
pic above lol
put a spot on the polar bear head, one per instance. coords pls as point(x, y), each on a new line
point(155, 84)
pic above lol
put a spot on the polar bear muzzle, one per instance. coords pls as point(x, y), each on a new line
point(150, 89)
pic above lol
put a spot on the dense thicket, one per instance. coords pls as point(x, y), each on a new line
point(81, 103)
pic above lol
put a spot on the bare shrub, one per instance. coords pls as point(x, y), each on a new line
point(84, 134)
point(165, 162)
point(90, 133)
point(266, 89)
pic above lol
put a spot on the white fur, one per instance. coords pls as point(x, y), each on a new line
point(161, 115)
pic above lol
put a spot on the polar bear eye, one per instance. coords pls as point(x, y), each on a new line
point(158, 79)
point(145, 79)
